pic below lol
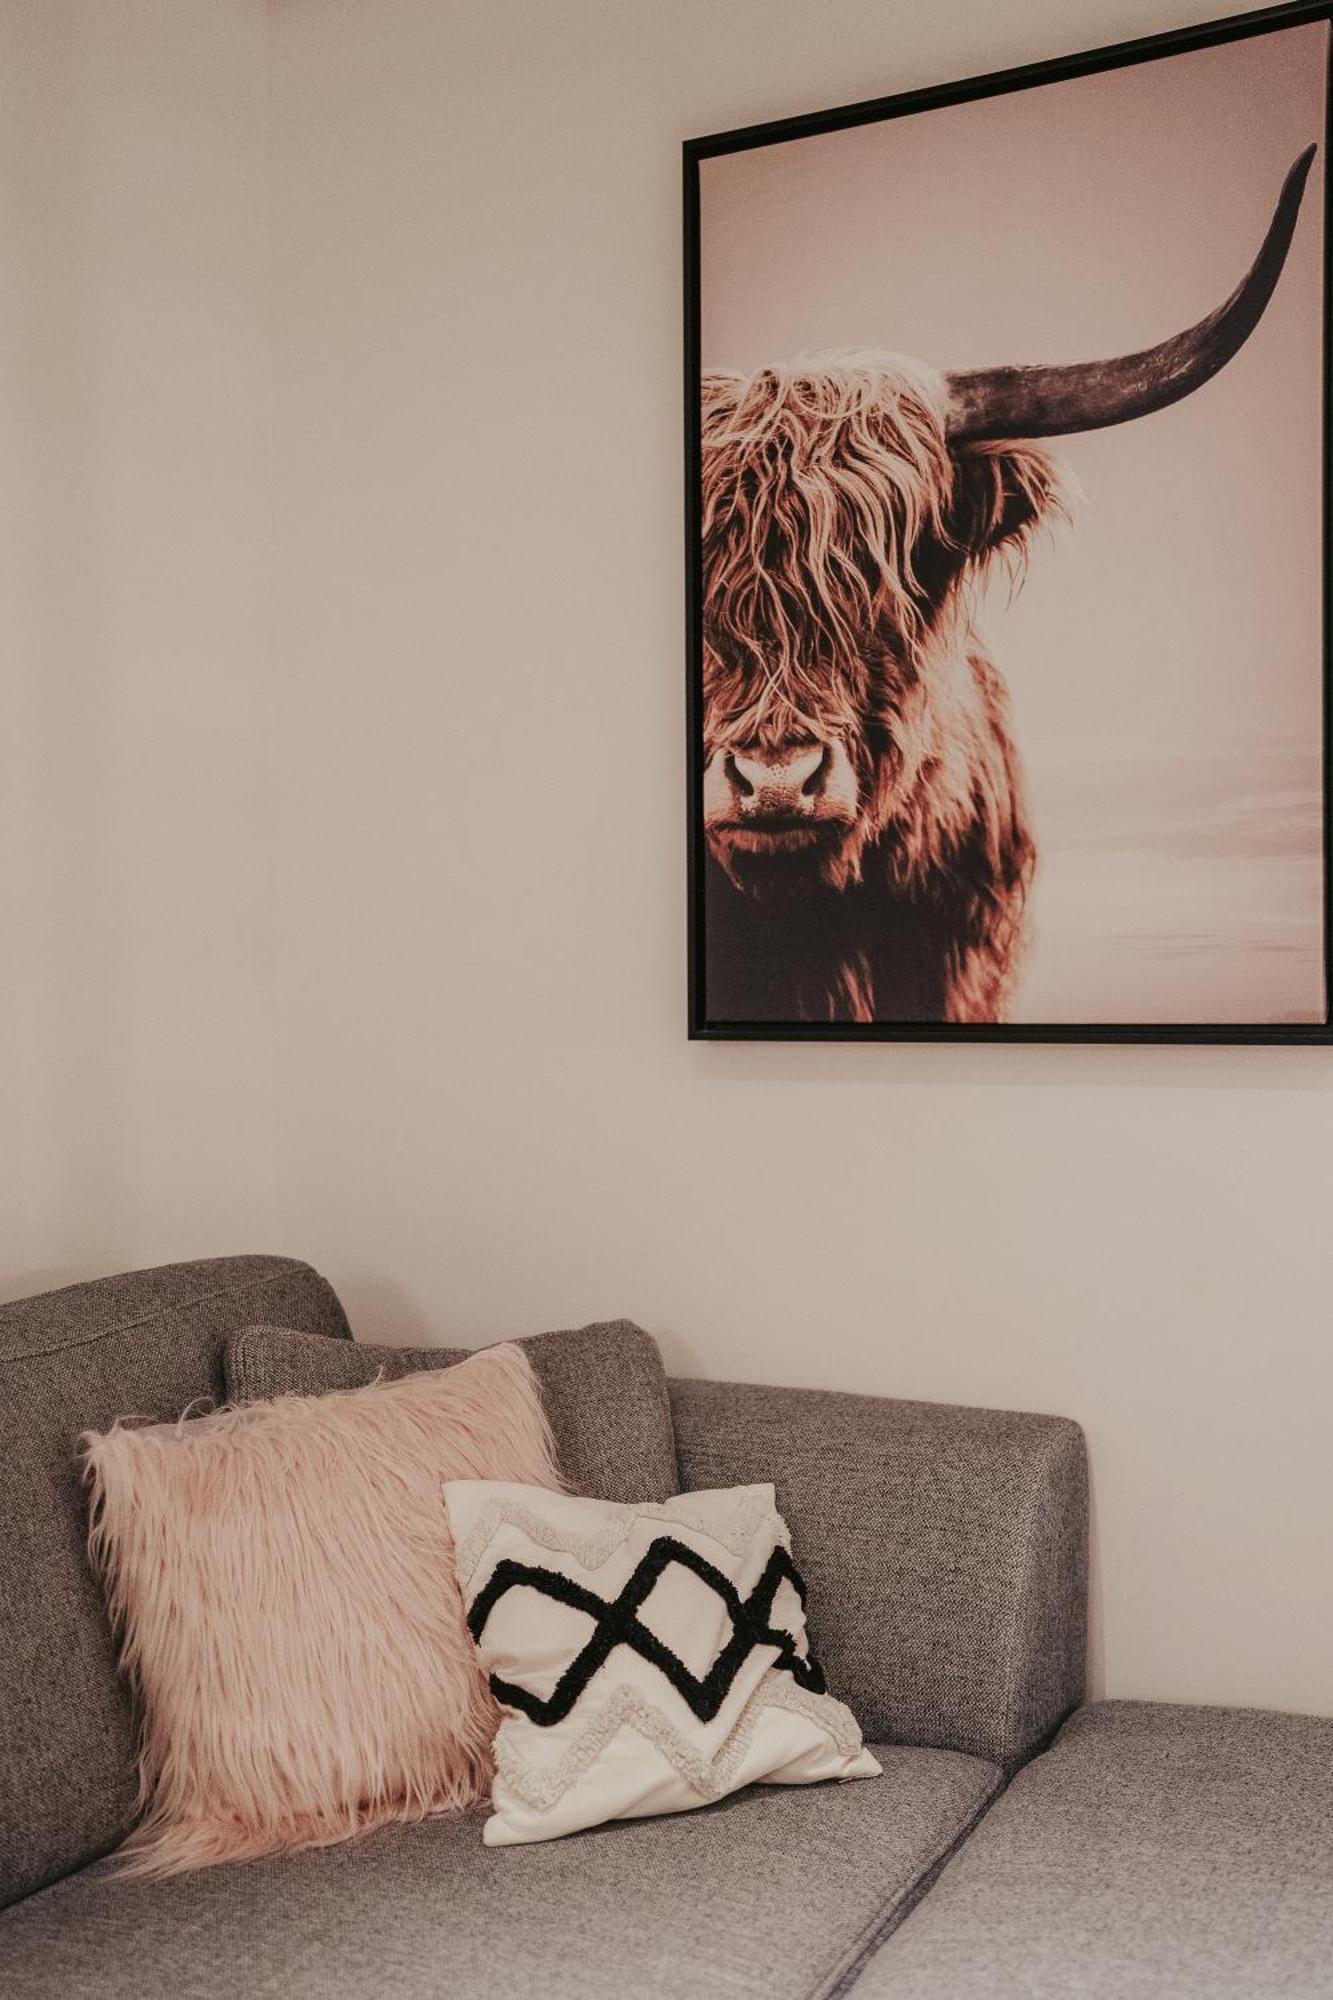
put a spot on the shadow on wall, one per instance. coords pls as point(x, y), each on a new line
point(1053, 1066)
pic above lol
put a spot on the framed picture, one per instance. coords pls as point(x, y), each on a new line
point(1007, 494)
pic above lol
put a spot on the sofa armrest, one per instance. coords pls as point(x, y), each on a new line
point(944, 1549)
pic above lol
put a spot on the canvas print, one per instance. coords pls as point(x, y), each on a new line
point(1006, 449)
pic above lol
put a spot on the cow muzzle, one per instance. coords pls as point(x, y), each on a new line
point(770, 803)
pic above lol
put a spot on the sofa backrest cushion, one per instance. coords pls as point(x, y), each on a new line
point(603, 1386)
point(146, 1344)
point(944, 1549)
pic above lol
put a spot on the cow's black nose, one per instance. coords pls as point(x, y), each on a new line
point(783, 780)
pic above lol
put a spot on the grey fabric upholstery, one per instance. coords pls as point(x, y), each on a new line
point(945, 1552)
point(773, 1895)
point(1154, 1853)
point(145, 1344)
point(603, 1386)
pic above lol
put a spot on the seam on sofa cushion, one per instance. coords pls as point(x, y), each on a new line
point(851, 1963)
point(238, 1357)
point(179, 1305)
point(1008, 1732)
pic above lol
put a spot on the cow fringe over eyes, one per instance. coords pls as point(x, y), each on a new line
point(830, 503)
point(818, 484)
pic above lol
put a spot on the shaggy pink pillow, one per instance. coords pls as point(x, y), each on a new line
point(282, 1580)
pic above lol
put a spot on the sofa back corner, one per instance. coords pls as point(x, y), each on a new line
point(146, 1344)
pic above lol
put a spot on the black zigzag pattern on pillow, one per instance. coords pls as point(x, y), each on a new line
point(618, 1624)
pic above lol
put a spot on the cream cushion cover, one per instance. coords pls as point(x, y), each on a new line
point(646, 1659)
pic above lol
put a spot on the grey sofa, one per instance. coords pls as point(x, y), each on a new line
point(1018, 1844)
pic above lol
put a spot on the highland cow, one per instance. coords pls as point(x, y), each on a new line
point(869, 848)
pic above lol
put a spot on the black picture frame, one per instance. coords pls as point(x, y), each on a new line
point(1025, 77)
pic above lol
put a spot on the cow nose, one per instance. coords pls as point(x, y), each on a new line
point(785, 780)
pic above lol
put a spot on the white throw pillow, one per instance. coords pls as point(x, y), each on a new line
point(647, 1659)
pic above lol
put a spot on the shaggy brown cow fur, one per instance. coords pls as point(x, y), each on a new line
point(843, 540)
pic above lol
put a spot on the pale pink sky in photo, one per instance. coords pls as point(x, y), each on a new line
point(1164, 656)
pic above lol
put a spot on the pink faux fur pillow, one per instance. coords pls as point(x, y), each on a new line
point(282, 1580)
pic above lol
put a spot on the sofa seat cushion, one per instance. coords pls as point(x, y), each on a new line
point(1154, 1853)
point(773, 1895)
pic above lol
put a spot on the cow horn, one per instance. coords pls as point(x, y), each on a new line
point(1053, 401)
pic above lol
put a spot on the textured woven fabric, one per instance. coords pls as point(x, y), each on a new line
point(1154, 1853)
point(146, 1344)
point(945, 1552)
point(647, 1659)
point(603, 1386)
point(774, 1895)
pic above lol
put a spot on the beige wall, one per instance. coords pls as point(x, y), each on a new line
point(454, 890)
point(491, 1120)
point(136, 1101)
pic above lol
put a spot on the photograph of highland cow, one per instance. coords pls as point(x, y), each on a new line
point(1006, 459)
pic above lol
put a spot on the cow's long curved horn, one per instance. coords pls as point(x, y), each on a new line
point(1054, 401)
